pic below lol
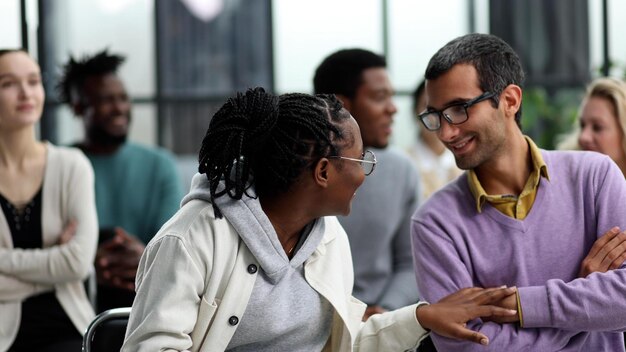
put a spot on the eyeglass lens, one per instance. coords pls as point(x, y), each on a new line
point(368, 167)
point(454, 115)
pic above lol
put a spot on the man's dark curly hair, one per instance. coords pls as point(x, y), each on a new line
point(75, 72)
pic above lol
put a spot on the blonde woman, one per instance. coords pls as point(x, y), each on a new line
point(48, 226)
point(602, 121)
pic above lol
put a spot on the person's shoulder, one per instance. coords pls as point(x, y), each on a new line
point(454, 198)
point(194, 222)
point(148, 150)
point(149, 154)
point(573, 160)
point(396, 160)
point(394, 154)
point(65, 156)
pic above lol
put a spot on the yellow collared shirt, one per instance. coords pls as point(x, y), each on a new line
point(515, 206)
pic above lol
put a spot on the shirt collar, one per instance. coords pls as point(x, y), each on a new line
point(539, 166)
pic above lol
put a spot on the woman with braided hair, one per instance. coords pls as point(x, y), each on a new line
point(255, 261)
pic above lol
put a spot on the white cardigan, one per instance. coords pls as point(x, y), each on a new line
point(197, 275)
point(68, 193)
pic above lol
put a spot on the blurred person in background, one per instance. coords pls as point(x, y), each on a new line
point(602, 121)
point(379, 225)
point(433, 160)
point(137, 187)
point(48, 223)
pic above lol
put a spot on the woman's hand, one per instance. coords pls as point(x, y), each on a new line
point(449, 316)
point(68, 232)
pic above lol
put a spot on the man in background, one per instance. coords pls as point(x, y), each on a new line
point(434, 162)
point(137, 187)
point(378, 226)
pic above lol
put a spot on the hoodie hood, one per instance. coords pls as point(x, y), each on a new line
point(256, 230)
point(199, 189)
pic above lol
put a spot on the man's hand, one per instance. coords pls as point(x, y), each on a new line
point(117, 260)
point(449, 316)
point(607, 253)
point(371, 310)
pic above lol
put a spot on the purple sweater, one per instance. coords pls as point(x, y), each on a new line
point(456, 247)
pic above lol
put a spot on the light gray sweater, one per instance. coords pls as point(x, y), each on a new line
point(378, 228)
point(284, 312)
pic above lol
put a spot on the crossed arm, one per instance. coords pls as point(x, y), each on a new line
point(30, 271)
point(551, 307)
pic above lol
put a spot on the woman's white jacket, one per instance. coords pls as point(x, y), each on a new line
point(67, 194)
point(196, 276)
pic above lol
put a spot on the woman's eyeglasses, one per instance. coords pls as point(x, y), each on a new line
point(367, 161)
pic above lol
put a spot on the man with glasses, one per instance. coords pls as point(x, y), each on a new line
point(378, 226)
point(544, 221)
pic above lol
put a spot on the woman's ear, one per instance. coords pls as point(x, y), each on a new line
point(321, 173)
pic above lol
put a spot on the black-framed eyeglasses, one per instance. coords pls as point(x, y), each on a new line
point(367, 161)
point(455, 113)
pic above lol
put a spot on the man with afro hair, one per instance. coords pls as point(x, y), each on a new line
point(137, 187)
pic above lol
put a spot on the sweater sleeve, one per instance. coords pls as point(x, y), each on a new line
point(402, 288)
point(169, 290)
point(594, 303)
point(73, 260)
point(15, 290)
point(441, 272)
point(390, 331)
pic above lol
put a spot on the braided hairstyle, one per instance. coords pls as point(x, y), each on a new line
point(266, 141)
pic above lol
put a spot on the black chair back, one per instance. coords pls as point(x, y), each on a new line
point(106, 332)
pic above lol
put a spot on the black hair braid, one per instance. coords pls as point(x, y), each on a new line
point(259, 139)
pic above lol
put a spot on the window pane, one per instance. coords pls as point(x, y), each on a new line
point(617, 33)
point(204, 61)
point(417, 29)
point(84, 27)
point(214, 57)
point(10, 35)
point(306, 31)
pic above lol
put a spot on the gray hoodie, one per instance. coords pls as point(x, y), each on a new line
point(284, 312)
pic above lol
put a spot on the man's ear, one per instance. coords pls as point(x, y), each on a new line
point(511, 98)
point(321, 173)
point(347, 103)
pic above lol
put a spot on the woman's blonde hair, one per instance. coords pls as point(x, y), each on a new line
point(612, 90)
